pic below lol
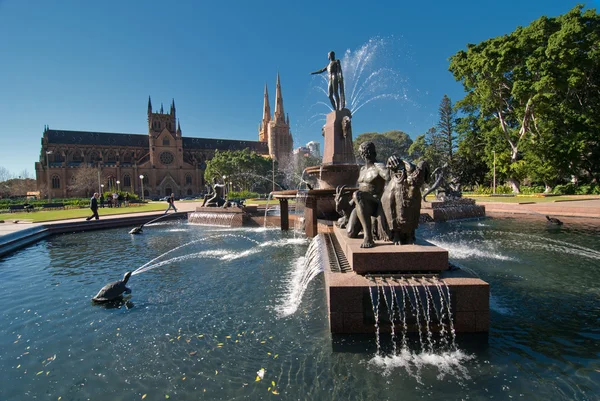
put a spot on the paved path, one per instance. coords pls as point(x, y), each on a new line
point(9, 227)
point(578, 208)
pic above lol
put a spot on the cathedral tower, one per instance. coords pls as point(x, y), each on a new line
point(276, 130)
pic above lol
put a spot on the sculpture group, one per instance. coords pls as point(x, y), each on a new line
point(387, 204)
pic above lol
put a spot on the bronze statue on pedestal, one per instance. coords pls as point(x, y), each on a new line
point(336, 82)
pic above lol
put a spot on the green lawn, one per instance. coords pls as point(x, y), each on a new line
point(49, 215)
point(529, 199)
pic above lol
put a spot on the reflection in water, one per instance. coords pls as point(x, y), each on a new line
point(206, 319)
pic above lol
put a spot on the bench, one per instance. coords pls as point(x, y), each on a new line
point(17, 208)
point(46, 206)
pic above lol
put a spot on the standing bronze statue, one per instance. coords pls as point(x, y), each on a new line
point(336, 82)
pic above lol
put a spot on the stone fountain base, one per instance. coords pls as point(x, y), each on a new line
point(420, 271)
point(217, 216)
point(462, 208)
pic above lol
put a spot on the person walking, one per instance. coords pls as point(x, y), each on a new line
point(94, 207)
point(171, 202)
point(126, 199)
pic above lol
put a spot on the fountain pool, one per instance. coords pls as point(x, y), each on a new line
point(205, 318)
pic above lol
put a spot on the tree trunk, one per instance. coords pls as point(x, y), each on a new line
point(514, 183)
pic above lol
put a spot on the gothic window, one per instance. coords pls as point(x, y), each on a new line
point(111, 157)
point(127, 157)
point(188, 179)
point(146, 193)
point(55, 182)
point(166, 158)
point(126, 180)
point(94, 156)
point(77, 157)
point(166, 142)
point(112, 182)
point(145, 180)
point(189, 191)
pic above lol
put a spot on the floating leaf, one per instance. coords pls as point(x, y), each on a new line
point(18, 366)
point(178, 337)
point(275, 392)
point(188, 340)
point(219, 344)
point(257, 379)
point(47, 373)
point(271, 337)
point(261, 373)
point(59, 398)
point(262, 342)
point(276, 355)
point(39, 373)
point(167, 396)
point(144, 396)
point(193, 353)
point(216, 372)
point(269, 389)
point(201, 335)
point(268, 353)
point(237, 341)
point(273, 384)
point(227, 336)
point(183, 378)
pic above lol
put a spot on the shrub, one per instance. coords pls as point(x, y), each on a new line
point(242, 195)
point(564, 189)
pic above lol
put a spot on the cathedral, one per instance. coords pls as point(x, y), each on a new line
point(161, 162)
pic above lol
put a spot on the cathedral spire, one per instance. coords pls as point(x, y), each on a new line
point(279, 114)
point(161, 109)
point(149, 105)
point(267, 106)
point(173, 108)
point(178, 127)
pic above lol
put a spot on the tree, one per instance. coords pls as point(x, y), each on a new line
point(446, 137)
point(4, 174)
point(84, 181)
point(387, 144)
point(538, 85)
point(243, 168)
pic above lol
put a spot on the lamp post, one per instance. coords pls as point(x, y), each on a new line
point(48, 152)
point(273, 171)
point(118, 186)
point(142, 180)
point(494, 152)
point(225, 183)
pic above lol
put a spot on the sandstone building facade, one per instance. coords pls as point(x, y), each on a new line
point(168, 161)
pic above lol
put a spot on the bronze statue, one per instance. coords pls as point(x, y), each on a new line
point(343, 205)
point(445, 187)
point(336, 82)
point(372, 179)
point(216, 197)
point(401, 201)
point(387, 204)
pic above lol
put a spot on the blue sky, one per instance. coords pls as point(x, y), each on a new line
point(90, 66)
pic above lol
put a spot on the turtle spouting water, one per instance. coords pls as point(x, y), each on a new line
point(114, 290)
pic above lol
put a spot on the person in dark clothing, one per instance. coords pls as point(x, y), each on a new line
point(171, 202)
point(94, 207)
point(102, 200)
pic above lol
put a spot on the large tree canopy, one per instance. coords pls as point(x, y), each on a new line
point(246, 170)
point(387, 144)
point(535, 94)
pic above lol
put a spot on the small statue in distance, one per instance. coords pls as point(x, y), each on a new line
point(445, 189)
point(215, 198)
point(336, 82)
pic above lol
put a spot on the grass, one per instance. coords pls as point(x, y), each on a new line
point(50, 215)
point(529, 199)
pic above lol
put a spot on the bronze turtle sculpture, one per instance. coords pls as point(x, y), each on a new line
point(114, 290)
